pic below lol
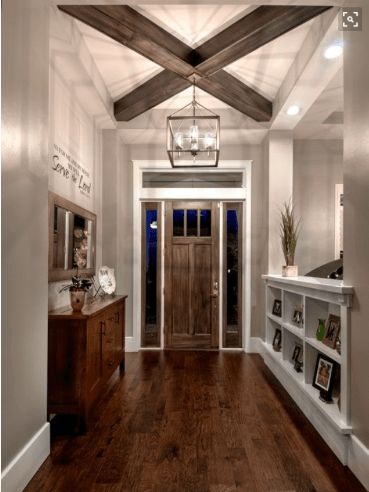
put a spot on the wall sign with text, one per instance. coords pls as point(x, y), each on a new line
point(66, 166)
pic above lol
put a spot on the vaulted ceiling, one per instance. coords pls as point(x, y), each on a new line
point(239, 54)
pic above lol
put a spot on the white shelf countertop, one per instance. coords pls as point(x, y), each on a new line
point(325, 284)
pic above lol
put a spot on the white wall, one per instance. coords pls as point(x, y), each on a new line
point(117, 217)
point(280, 165)
point(125, 234)
point(25, 51)
point(318, 167)
point(356, 216)
point(74, 130)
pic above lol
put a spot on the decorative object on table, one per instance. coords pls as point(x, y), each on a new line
point(320, 331)
point(289, 231)
point(277, 308)
point(77, 291)
point(324, 375)
point(297, 317)
point(107, 279)
point(193, 136)
point(338, 345)
point(297, 357)
point(332, 331)
point(277, 340)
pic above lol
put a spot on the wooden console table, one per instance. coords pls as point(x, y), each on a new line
point(84, 350)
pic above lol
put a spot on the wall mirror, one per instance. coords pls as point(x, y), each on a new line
point(72, 239)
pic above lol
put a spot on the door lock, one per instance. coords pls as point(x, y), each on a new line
point(215, 289)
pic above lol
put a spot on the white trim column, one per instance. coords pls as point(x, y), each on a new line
point(280, 191)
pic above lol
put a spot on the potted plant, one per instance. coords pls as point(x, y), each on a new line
point(289, 231)
point(77, 290)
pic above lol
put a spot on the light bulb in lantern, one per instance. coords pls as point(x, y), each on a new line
point(209, 141)
point(178, 141)
point(194, 133)
point(194, 148)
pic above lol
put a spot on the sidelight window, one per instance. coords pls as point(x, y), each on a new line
point(232, 275)
point(151, 275)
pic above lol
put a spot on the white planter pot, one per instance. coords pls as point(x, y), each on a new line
point(290, 271)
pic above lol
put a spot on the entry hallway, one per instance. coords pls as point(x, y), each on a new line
point(196, 422)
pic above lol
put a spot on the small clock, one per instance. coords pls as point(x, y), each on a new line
point(107, 279)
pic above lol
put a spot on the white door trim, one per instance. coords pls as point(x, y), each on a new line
point(160, 194)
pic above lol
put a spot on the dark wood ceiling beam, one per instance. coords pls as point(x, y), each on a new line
point(128, 27)
point(148, 95)
point(251, 32)
point(230, 90)
point(221, 85)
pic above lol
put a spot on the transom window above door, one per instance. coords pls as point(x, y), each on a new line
point(192, 223)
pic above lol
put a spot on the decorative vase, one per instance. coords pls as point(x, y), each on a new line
point(290, 271)
point(77, 298)
point(320, 331)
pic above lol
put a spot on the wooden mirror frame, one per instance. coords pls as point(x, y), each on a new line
point(56, 274)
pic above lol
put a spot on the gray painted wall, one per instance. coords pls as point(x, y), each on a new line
point(109, 220)
point(25, 87)
point(356, 214)
point(125, 234)
point(117, 216)
point(318, 166)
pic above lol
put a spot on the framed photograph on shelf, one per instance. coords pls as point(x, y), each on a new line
point(277, 340)
point(297, 317)
point(332, 331)
point(324, 376)
point(297, 357)
point(277, 308)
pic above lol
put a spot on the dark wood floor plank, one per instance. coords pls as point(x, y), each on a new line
point(196, 422)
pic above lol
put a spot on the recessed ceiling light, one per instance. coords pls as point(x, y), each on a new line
point(293, 110)
point(333, 51)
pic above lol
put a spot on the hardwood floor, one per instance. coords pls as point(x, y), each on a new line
point(193, 421)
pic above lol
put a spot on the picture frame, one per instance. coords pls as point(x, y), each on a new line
point(277, 340)
point(297, 357)
point(297, 317)
point(324, 377)
point(332, 331)
point(277, 308)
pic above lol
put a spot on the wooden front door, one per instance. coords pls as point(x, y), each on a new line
point(191, 275)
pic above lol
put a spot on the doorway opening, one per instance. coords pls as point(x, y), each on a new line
point(192, 246)
point(191, 292)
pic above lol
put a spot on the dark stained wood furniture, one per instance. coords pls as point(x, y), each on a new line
point(84, 350)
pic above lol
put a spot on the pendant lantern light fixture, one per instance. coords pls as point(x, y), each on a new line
point(193, 136)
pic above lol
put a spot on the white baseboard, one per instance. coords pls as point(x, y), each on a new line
point(358, 460)
point(131, 344)
point(21, 469)
point(254, 346)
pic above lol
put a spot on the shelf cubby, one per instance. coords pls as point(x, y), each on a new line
point(273, 294)
point(291, 302)
point(272, 326)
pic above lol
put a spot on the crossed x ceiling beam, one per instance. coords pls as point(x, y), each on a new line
point(182, 64)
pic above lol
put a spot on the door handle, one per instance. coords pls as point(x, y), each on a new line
point(215, 290)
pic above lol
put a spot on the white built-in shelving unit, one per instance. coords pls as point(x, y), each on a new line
point(317, 298)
